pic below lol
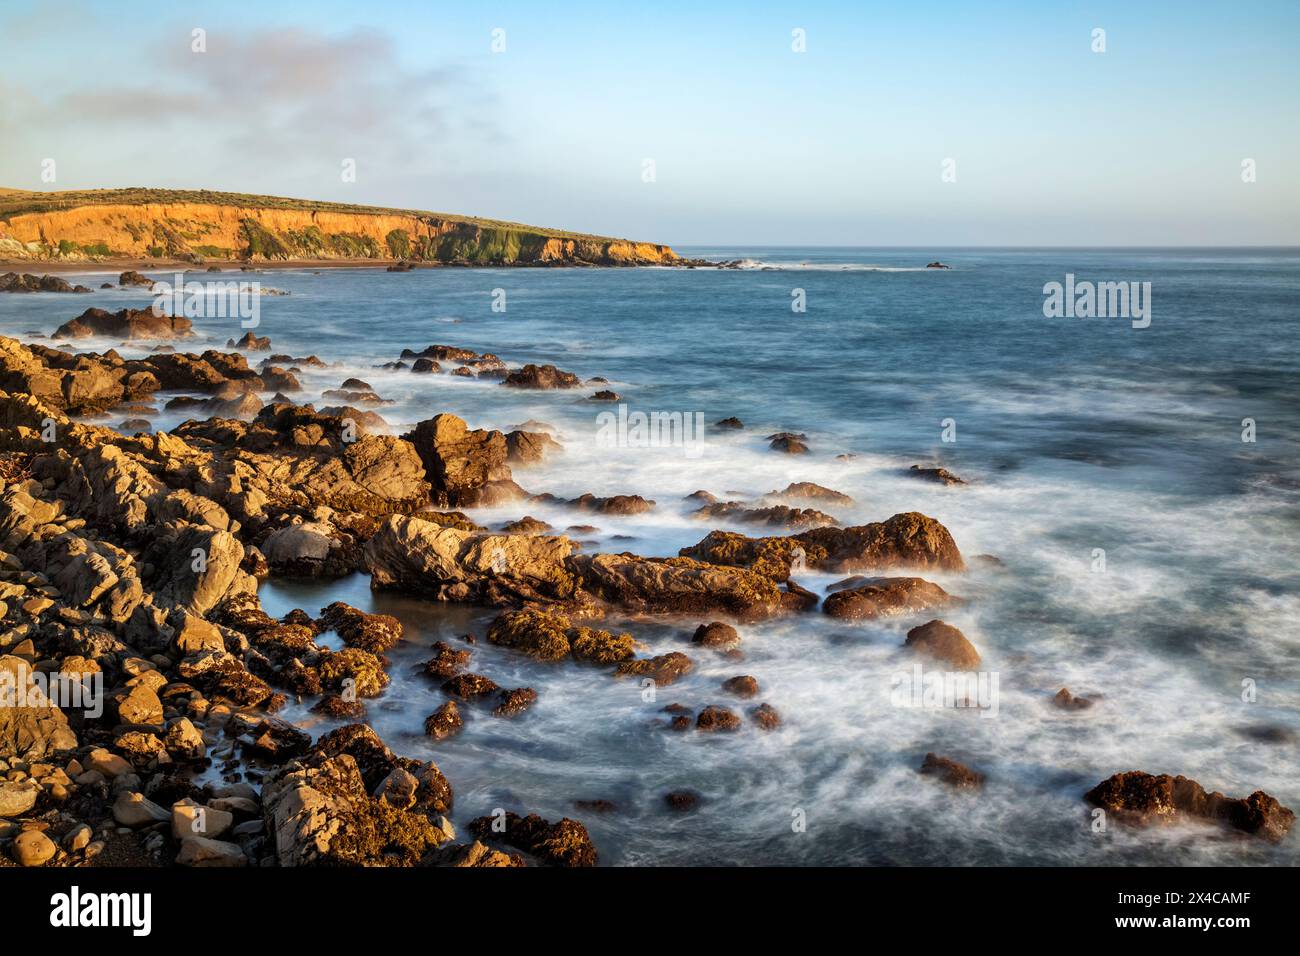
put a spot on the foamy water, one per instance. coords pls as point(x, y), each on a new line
point(1075, 436)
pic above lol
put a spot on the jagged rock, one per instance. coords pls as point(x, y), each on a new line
point(444, 722)
point(375, 633)
point(765, 716)
point(458, 463)
point(564, 843)
point(1142, 798)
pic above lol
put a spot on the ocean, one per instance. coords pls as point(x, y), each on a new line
point(1150, 556)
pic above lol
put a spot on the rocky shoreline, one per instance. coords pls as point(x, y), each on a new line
point(130, 564)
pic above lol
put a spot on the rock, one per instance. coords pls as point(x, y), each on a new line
point(788, 445)
point(1067, 701)
point(613, 505)
point(775, 516)
point(541, 376)
point(476, 854)
point(200, 851)
point(1142, 798)
point(717, 635)
point(675, 585)
point(78, 838)
point(682, 801)
point(713, 718)
point(109, 764)
point(301, 550)
point(129, 324)
point(742, 686)
point(809, 491)
point(565, 843)
point(765, 716)
point(17, 797)
point(319, 813)
point(138, 705)
point(527, 525)
point(941, 475)
point(470, 686)
point(250, 342)
point(375, 633)
point(664, 669)
point(444, 722)
point(729, 423)
point(191, 819)
point(884, 597)
point(458, 463)
point(515, 702)
point(35, 731)
point(943, 642)
point(951, 772)
point(529, 448)
point(131, 277)
point(605, 395)
point(135, 810)
point(398, 789)
point(905, 540)
point(447, 661)
point(33, 848)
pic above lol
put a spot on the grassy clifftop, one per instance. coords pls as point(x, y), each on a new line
point(193, 225)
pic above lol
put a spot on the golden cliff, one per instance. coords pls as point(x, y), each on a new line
point(197, 225)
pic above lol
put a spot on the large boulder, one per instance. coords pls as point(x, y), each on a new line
point(458, 462)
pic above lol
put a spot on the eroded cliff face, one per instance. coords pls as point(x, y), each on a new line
point(198, 230)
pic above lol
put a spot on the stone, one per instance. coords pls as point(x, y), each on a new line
point(1141, 799)
point(135, 810)
point(33, 848)
point(190, 818)
point(201, 851)
point(17, 797)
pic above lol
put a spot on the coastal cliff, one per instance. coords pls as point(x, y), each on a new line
point(198, 225)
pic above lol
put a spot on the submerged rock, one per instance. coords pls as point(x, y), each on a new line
point(951, 772)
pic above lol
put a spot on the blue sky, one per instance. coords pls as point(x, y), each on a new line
point(752, 143)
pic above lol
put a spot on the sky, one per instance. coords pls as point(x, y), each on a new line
point(695, 124)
